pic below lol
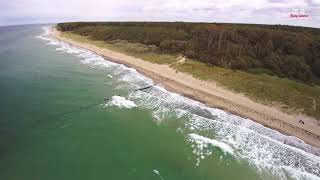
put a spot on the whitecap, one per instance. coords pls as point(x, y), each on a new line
point(202, 146)
point(201, 141)
point(156, 172)
point(121, 102)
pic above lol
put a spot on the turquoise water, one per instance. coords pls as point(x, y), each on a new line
point(55, 123)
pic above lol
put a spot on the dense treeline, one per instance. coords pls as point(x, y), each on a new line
point(287, 51)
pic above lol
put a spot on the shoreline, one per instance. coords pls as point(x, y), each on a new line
point(210, 94)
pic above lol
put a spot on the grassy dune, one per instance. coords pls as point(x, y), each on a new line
point(132, 49)
point(290, 95)
point(271, 90)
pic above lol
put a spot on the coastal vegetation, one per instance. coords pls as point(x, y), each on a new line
point(261, 84)
point(284, 51)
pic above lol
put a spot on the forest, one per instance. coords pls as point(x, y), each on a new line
point(286, 51)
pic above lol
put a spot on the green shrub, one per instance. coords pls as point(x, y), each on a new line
point(287, 51)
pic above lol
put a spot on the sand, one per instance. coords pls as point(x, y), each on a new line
point(209, 93)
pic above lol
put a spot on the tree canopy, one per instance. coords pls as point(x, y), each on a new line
point(286, 51)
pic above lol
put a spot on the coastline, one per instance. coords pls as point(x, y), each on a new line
point(212, 95)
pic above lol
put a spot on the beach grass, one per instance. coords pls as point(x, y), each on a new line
point(289, 95)
point(132, 50)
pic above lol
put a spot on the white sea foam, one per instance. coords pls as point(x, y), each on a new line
point(264, 148)
point(121, 102)
point(46, 32)
point(158, 174)
point(203, 140)
point(202, 146)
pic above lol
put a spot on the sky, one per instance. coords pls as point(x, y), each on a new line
point(228, 11)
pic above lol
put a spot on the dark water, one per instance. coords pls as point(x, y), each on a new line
point(55, 124)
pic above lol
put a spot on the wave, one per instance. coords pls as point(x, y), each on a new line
point(202, 146)
point(265, 149)
point(203, 140)
point(121, 102)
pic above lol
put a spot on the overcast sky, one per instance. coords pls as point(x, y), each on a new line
point(230, 11)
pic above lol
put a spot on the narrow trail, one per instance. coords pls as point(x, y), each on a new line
point(180, 60)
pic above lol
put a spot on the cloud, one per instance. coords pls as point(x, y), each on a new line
point(233, 11)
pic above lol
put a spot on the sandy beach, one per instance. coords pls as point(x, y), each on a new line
point(211, 94)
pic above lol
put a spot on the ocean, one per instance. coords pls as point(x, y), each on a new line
point(69, 114)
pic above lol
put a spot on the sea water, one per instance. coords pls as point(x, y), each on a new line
point(68, 113)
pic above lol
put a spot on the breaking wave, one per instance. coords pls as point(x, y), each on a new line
point(202, 146)
point(208, 129)
point(121, 102)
